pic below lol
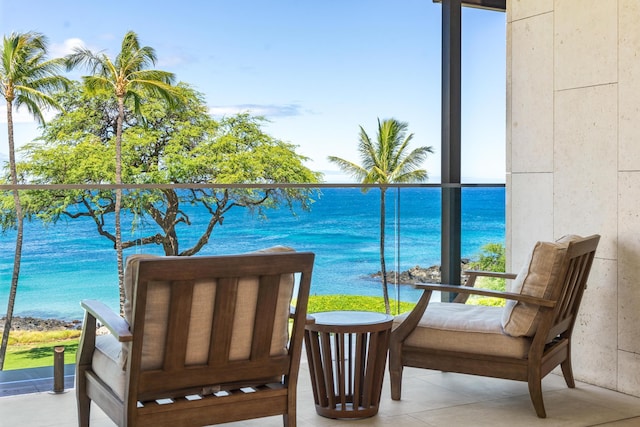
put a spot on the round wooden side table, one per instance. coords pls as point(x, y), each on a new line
point(347, 353)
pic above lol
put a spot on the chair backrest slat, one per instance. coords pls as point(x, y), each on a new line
point(223, 316)
point(175, 349)
point(572, 287)
point(263, 328)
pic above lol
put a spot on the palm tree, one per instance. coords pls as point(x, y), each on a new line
point(386, 161)
point(128, 77)
point(27, 79)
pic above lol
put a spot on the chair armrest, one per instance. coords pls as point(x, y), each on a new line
point(480, 273)
point(116, 324)
point(488, 293)
point(402, 331)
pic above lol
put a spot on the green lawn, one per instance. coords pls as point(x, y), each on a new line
point(319, 303)
point(35, 355)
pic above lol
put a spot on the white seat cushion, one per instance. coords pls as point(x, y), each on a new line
point(106, 363)
point(465, 328)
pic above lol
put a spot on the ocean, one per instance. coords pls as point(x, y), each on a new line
point(66, 262)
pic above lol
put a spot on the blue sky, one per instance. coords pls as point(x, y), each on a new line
point(316, 69)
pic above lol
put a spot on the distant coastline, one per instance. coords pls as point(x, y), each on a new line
point(36, 324)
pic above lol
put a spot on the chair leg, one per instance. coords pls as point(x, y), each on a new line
point(395, 370)
point(567, 372)
point(289, 418)
point(535, 391)
point(395, 375)
point(567, 369)
point(83, 401)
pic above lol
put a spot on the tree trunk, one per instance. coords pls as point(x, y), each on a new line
point(383, 265)
point(118, 206)
point(19, 237)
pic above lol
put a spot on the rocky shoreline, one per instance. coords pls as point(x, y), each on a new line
point(419, 274)
point(36, 324)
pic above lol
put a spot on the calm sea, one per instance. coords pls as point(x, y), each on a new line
point(69, 261)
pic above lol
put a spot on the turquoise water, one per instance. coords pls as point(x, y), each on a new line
point(68, 261)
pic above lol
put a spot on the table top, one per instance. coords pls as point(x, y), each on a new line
point(350, 318)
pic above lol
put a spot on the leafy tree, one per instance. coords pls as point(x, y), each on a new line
point(127, 77)
point(385, 161)
point(27, 78)
point(491, 258)
point(170, 146)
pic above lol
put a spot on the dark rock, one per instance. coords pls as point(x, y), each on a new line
point(419, 274)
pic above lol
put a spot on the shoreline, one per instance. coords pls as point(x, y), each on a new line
point(31, 324)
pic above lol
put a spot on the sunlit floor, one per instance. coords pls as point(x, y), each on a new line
point(430, 398)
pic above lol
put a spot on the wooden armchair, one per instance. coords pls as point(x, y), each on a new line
point(525, 340)
point(205, 340)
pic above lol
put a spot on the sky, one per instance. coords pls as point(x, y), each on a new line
point(317, 70)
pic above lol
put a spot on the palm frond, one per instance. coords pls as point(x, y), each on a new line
point(367, 149)
point(98, 83)
point(82, 57)
point(153, 76)
point(32, 106)
point(35, 100)
point(418, 175)
point(28, 74)
point(351, 168)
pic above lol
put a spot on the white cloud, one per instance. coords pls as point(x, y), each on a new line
point(272, 110)
point(57, 50)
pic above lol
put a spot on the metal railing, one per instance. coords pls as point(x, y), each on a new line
point(67, 261)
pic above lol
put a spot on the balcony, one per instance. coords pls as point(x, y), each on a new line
point(342, 228)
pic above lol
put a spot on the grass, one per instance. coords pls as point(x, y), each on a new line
point(35, 349)
point(319, 303)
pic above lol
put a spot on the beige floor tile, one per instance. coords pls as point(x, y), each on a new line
point(430, 399)
point(631, 422)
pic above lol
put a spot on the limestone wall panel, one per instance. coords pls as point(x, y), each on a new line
point(531, 213)
point(594, 351)
point(629, 262)
point(585, 164)
point(629, 84)
point(520, 9)
point(586, 38)
point(532, 95)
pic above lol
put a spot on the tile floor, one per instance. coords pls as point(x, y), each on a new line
point(430, 398)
